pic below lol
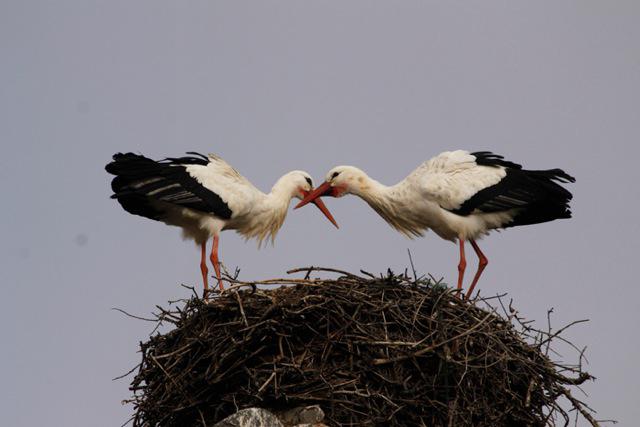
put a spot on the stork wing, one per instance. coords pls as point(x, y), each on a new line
point(220, 168)
point(140, 179)
point(464, 183)
point(453, 177)
point(221, 178)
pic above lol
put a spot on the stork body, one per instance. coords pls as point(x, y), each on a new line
point(461, 196)
point(204, 195)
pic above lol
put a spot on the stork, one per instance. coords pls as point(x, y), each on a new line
point(461, 196)
point(204, 195)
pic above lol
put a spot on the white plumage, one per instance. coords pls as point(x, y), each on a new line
point(204, 195)
point(460, 196)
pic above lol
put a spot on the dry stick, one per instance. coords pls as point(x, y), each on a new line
point(244, 318)
point(240, 285)
point(580, 407)
point(582, 377)
point(331, 270)
point(126, 374)
point(283, 282)
point(532, 384)
point(392, 343)
point(431, 347)
point(384, 319)
point(413, 268)
point(559, 331)
point(132, 316)
point(173, 353)
point(266, 383)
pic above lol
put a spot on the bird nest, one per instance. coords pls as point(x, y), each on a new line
point(379, 351)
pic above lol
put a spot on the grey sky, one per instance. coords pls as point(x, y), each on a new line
point(280, 85)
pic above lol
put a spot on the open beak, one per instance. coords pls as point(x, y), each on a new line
point(314, 195)
point(318, 202)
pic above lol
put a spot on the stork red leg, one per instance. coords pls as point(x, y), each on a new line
point(482, 263)
point(204, 269)
point(461, 266)
point(215, 261)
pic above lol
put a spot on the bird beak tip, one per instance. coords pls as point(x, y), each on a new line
point(313, 196)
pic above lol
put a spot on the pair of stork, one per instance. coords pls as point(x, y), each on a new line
point(459, 195)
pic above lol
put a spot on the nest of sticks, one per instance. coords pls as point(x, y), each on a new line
point(371, 351)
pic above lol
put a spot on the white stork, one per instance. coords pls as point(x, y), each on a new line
point(204, 195)
point(460, 196)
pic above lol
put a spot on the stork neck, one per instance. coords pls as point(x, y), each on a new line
point(391, 204)
point(373, 192)
point(277, 200)
point(267, 216)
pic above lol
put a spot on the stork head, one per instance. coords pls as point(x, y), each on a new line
point(299, 185)
point(294, 184)
point(339, 181)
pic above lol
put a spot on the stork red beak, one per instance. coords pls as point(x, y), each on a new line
point(319, 203)
point(314, 196)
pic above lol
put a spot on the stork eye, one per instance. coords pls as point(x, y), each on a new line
point(334, 175)
point(308, 180)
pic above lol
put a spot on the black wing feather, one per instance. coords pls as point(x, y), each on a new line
point(139, 181)
point(487, 158)
point(536, 194)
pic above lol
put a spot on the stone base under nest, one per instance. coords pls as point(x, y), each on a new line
point(378, 351)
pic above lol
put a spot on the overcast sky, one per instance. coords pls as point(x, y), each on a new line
point(278, 85)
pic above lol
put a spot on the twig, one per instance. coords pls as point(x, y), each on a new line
point(413, 268)
point(132, 316)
